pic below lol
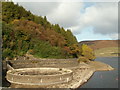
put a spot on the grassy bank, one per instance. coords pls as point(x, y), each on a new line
point(106, 52)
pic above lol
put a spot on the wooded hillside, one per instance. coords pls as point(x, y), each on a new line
point(23, 32)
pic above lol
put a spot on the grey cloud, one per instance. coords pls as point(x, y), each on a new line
point(103, 17)
point(67, 14)
point(40, 8)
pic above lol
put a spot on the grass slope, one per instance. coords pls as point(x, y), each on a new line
point(109, 51)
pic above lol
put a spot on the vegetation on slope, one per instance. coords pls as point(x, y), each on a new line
point(87, 54)
point(104, 48)
point(24, 33)
point(98, 44)
point(106, 52)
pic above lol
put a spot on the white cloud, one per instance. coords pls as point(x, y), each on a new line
point(67, 14)
point(66, 0)
point(115, 36)
point(102, 16)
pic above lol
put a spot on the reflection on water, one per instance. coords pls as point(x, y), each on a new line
point(104, 79)
point(116, 78)
point(101, 76)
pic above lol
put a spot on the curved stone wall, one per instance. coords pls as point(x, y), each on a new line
point(56, 63)
point(34, 76)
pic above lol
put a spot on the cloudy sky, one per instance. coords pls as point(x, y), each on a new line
point(87, 20)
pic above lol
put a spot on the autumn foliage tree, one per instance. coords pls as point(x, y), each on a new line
point(88, 52)
point(75, 50)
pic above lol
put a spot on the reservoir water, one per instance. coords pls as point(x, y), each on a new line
point(104, 79)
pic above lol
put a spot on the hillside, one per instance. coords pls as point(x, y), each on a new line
point(103, 47)
point(97, 44)
point(23, 32)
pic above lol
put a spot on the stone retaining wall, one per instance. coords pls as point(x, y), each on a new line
point(57, 63)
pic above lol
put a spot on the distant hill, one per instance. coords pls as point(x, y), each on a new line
point(103, 48)
point(98, 44)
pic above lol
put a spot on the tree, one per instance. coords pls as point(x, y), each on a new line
point(88, 52)
point(70, 38)
point(56, 27)
point(45, 18)
point(75, 50)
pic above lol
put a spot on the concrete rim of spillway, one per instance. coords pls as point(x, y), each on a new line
point(39, 76)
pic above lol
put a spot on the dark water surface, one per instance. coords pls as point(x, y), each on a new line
point(104, 79)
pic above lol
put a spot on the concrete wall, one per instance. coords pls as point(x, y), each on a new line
point(58, 63)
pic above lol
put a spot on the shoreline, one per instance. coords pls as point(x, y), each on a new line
point(95, 70)
point(107, 56)
point(87, 80)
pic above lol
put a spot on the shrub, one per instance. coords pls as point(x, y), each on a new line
point(82, 59)
point(88, 52)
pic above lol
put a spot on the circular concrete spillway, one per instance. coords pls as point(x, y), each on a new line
point(39, 76)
